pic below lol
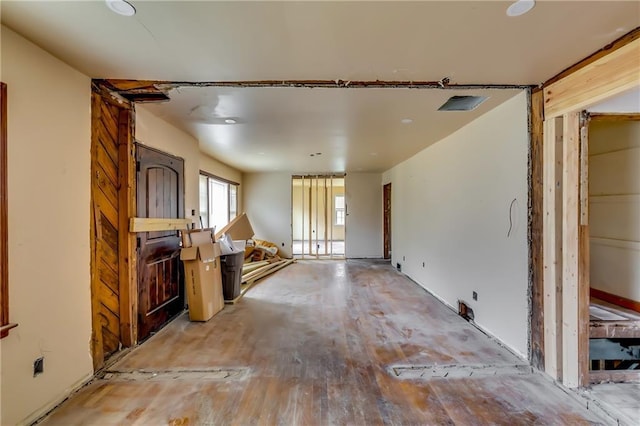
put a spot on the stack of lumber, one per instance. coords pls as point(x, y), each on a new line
point(254, 271)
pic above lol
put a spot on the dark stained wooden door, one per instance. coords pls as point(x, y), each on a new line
point(160, 194)
point(386, 202)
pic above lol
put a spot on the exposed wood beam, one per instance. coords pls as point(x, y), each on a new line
point(596, 81)
point(604, 116)
point(611, 47)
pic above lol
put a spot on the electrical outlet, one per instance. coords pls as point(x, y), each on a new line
point(475, 296)
point(38, 366)
point(423, 264)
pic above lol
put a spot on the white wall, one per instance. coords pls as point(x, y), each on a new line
point(155, 132)
point(614, 197)
point(364, 215)
point(267, 202)
point(450, 210)
point(49, 134)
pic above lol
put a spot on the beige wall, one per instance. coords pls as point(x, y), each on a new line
point(614, 198)
point(49, 118)
point(267, 201)
point(364, 215)
point(451, 210)
point(157, 133)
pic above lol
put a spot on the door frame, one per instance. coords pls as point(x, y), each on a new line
point(386, 221)
point(607, 73)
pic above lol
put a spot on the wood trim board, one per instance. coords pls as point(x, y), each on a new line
point(4, 230)
point(634, 305)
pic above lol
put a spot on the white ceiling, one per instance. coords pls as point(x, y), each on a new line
point(469, 42)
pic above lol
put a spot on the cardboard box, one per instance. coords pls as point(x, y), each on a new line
point(203, 279)
point(194, 237)
point(238, 229)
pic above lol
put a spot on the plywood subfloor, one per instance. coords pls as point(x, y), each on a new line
point(312, 344)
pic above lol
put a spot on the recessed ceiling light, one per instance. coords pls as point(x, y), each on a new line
point(520, 7)
point(406, 121)
point(230, 121)
point(121, 7)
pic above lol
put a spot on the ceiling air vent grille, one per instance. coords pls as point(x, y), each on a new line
point(462, 103)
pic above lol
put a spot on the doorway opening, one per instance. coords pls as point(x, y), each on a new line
point(386, 203)
point(318, 213)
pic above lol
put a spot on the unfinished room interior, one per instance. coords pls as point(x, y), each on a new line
point(299, 212)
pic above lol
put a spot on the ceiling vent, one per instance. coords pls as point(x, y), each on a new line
point(462, 103)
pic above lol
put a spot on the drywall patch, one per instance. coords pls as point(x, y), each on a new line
point(457, 371)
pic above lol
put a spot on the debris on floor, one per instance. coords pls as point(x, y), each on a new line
point(261, 257)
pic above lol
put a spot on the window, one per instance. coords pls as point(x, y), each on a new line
point(4, 247)
point(218, 201)
point(340, 211)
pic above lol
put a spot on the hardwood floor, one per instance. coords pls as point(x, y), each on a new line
point(315, 343)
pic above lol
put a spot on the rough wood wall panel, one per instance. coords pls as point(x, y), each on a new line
point(110, 300)
point(107, 213)
point(108, 275)
point(107, 138)
point(536, 194)
point(107, 164)
point(110, 321)
point(105, 287)
point(106, 186)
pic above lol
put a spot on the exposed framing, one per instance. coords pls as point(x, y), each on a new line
point(552, 246)
point(5, 326)
point(607, 73)
point(535, 230)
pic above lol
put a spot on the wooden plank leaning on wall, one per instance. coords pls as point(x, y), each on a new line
point(605, 74)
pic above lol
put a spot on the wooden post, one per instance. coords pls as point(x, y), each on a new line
point(126, 241)
point(552, 247)
point(583, 256)
point(570, 249)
